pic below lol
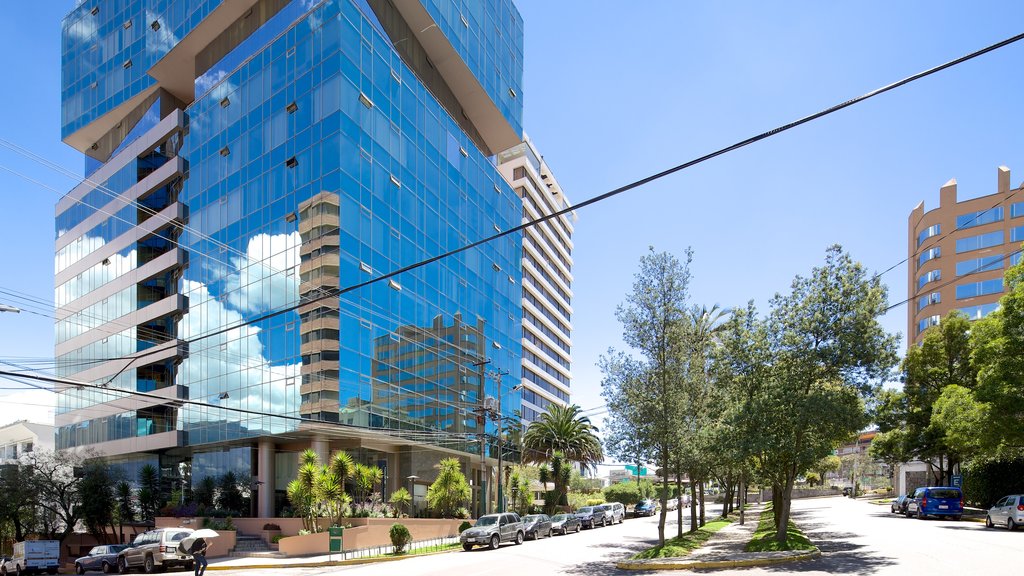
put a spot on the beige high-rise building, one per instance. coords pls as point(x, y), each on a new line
point(959, 252)
point(547, 281)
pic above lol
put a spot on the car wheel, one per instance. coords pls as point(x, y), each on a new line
point(149, 566)
point(122, 565)
point(920, 515)
point(106, 567)
point(467, 547)
point(494, 542)
point(519, 538)
point(578, 527)
point(908, 513)
point(79, 569)
point(988, 521)
point(549, 532)
point(1010, 524)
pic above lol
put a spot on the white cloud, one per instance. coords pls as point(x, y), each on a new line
point(32, 405)
point(268, 275)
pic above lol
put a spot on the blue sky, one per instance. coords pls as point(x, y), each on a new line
point(614, 94)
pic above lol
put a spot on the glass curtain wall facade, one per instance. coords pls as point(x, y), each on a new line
point(252, 170)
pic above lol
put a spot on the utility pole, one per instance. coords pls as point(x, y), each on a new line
point(497, 374)
point(481, 411)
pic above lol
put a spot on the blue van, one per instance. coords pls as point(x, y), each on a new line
point(936, 501)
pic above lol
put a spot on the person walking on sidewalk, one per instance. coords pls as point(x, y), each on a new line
point(199, 554)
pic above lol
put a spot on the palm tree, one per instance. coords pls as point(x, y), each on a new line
point(450, 491)
point(562, 429)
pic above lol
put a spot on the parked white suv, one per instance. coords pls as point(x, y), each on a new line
point(155, 550)
point(618, 512)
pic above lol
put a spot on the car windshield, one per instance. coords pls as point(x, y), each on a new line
point(585, 510)
point(532, 518)
point(946, 493)
point(487, 521)
point(116, 548)
point(559, 517)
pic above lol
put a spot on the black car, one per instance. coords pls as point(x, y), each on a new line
point(590, 516)
point(537, 525)
point(899, 505)
point(99, 558)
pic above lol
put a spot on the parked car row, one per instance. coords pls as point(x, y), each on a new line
point(948, 501)
point(151, 551)
point(494, 529)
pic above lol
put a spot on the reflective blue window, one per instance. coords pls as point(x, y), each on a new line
point(929, 254)
point(931, 276)
point(980, 218)
point(928, 322)
point(928, 232)
point(984, 264)
point(1017, 234)
point(982, 288)
point(933, 298)
point(980, 311)
point(979, 242)
point(1016, 209)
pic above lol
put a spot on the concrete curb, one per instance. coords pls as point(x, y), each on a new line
point(738, 561)
point(327, 564)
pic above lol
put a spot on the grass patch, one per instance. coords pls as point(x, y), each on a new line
point(424, 550)
point(764, 536)
point(881, 501)
point(682, 546)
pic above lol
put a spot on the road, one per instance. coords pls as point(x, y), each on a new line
point(855, 538)
point(588, 553)
point(865, 539)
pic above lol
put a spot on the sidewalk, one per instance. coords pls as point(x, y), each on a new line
point(725, 549)
point(320, 560)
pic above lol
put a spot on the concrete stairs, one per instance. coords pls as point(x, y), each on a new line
point(247, 546)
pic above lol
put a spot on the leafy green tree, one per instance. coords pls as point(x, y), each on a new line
point(450, 491)
point(563, 430)
point(645, 394)
point(229, 494)
point(98, 504)
point(997, 343)
point(57, 490)
point(205, 493)
point(829, 353)
point(401, 500)
point(149, 492)
point(519, 489)
point(18, 505)
point(366, 478)
point(558, 472)
point(125, 506)
point(319, 490)
point(942, 359)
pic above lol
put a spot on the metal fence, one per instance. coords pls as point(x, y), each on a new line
point(421, 546)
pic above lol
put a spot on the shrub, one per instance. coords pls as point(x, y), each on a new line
point(271, 526)
point(304, 532)
point(464, 526)
point(400, 537)
point(276, 538)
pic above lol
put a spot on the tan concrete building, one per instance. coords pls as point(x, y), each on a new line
point(959, 252)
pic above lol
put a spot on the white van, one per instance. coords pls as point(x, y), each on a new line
point(33, 557)
point(618, 512)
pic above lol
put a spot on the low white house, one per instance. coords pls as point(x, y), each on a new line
point(22, 437)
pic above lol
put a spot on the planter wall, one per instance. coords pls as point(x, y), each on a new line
point(368, 533)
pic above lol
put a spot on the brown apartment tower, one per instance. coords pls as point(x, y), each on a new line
point(959, 252)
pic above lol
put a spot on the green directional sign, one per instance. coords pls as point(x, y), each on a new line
point(335, 533)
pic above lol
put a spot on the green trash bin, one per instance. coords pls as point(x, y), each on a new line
point(335, 538)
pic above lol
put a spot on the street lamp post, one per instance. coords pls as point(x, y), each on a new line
point(412, 494)
point(6, 308)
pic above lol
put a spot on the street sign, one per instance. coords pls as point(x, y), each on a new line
point(957, 480)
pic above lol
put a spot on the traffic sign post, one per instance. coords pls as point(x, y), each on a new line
point(957, 480)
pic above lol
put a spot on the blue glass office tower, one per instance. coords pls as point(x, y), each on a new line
point(249, 165)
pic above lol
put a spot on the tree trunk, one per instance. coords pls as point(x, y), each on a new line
point(776, 501)
point(782, 513)
point(743, 499)
point(702, 521)
point(693, 504)
point(679, 509)
point(664, 498)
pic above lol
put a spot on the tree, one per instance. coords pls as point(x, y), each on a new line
point(125, 507)
point(450, 491)
point(320, 490)
point(401, 500)
point(366, 478)
point(563, 430)
point(205, 492)
point(99, 504)
point(997, 343)
point(830, 463)
point(645, 394)
point(942, 359)
point(57, 489)
point(229, 495)
point(149, 492)
point(558, 472)
point(829, 353)
point(18, 505)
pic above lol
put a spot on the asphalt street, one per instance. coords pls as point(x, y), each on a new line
point(855, 537)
